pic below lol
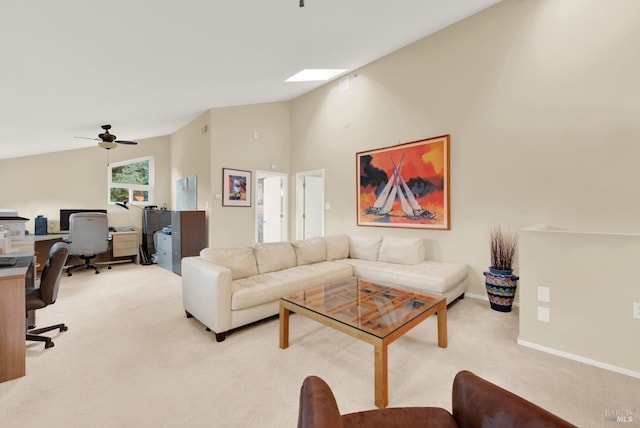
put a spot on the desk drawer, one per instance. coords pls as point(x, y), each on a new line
point(163, 248)
point(125, 244)
point(120, 250)
point(163, 242)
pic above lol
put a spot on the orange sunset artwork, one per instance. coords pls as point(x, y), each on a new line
point(405, 185)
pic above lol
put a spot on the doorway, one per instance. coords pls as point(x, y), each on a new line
point(271, 206)
point(310, 204)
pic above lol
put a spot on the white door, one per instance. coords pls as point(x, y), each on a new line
point(310, 204)
point(313, 210)
point(271, 205)
point(272, 218)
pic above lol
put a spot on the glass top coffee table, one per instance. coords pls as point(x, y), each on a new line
point(374, 313)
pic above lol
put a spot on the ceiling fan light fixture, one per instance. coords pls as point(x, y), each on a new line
point(107, 145)
point(108, 140)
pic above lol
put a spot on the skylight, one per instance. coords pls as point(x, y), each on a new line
point(315, 74)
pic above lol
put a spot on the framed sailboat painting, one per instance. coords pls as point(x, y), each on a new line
point(406, 185)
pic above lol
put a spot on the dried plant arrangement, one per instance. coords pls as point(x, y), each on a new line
point(503, 249)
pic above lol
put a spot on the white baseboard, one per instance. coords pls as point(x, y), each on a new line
point(483, 297)
point(476, 296)
point(563, 354)
point(578, 358)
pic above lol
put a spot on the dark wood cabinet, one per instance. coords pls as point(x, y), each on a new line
point(188, 236)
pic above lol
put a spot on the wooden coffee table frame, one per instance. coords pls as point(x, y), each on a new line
point(380, 344)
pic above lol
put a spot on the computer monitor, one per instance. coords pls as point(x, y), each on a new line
point(64, 216)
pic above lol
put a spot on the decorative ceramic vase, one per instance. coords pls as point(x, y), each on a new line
point(501, 288)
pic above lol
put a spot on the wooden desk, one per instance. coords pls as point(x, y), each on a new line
point(12, 318)
point(123, 246)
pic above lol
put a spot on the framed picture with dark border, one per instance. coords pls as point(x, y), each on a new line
point(406, 185)
point(236, 188)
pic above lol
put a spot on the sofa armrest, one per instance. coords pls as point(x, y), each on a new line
point(206, 292)
point(479, 403)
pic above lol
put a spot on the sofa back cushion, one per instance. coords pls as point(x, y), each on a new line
point(312, 250)
point(337, 247)
point(274, 256)
point(404, 251)
point(364, 247)
point(241, 261)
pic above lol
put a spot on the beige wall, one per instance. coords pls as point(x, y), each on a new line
point(541, 101)
point(43, 184)
point(233, 145)
point(593, 285)
point(190, 156)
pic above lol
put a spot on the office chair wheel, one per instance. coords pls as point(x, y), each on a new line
point(97, 272)
point(108, 266)
point(68, 273)
point(64, 328)
point(49, 345)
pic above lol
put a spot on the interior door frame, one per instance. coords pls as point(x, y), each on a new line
point(300, 200)
point(284, 232)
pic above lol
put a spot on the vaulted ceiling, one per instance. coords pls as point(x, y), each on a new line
point(150, 67)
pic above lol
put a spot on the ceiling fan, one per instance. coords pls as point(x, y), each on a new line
point(108, 140)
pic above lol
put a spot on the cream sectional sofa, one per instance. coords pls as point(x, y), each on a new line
point(231, 287)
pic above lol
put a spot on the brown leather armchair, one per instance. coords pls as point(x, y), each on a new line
point(476, 403)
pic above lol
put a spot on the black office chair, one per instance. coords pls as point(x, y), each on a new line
point(88, 237)
point(38, 298)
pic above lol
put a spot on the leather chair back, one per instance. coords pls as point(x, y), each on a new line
point(88, 234)
point(318, 407)
point(50, 277)
point(479, 403)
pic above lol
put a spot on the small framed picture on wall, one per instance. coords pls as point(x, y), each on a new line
point(236, 188)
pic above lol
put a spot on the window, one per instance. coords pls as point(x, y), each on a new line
point(131, 181)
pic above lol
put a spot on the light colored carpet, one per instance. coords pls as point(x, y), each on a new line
point(132, 358)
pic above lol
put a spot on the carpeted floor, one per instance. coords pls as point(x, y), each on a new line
point(132, 358)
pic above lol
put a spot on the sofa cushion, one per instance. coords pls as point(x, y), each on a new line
point(241, 261)
point(404, 251)
point(312, 250)
point(429, 276)
point(273, 256)
point(337, 247)
point(264, 288)
point(364, 247)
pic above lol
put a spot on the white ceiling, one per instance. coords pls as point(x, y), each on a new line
point(149, 67)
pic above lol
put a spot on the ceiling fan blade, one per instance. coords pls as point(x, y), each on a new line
point(89, 138)
point(125, 142)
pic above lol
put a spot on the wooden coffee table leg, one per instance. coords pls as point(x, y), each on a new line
point(381, 378)
point(442, 326)
point(284, 327)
